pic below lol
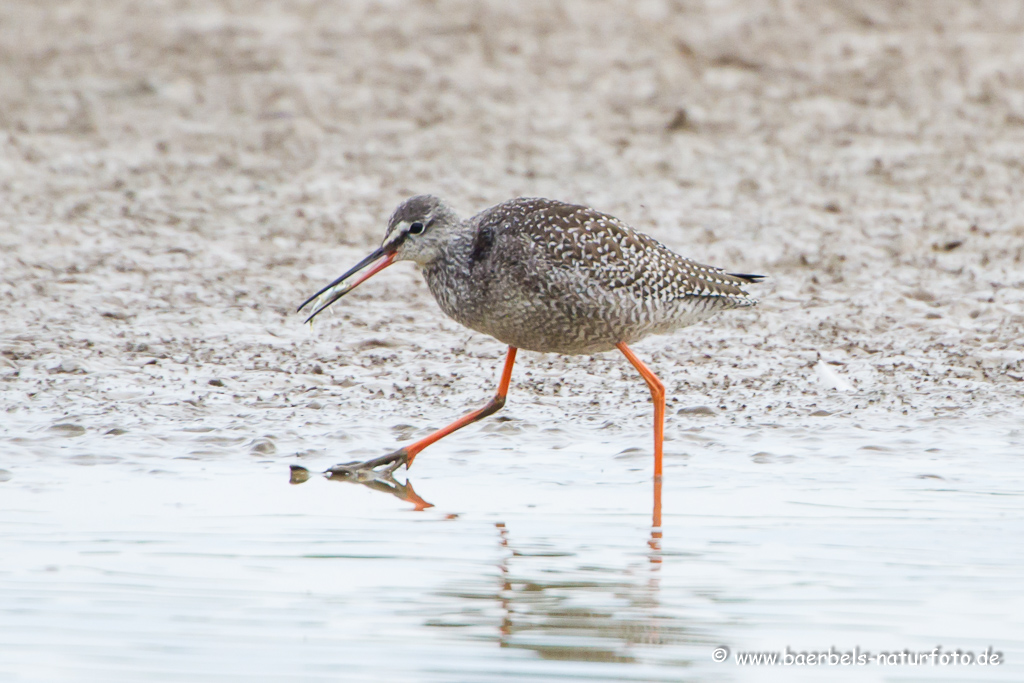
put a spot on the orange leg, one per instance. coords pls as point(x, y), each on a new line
point(406, 454)
point(493, 406)
point(658, 396)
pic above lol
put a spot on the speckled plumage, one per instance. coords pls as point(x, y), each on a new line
point(543, 275)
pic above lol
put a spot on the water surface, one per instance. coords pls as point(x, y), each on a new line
point(190, 556)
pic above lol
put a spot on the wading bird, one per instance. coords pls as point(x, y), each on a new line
point(543, 275)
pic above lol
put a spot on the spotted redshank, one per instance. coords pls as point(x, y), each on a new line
point(543, 275)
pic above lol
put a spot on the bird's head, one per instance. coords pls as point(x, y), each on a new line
point(417, 231)
point(419, 228)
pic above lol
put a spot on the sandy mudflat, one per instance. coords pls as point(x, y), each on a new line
point(175, 177)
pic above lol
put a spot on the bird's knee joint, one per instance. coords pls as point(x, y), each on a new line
point(492, 407)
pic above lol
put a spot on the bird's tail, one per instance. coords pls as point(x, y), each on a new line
point(747, 277)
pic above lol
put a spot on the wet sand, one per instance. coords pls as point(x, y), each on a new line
point(842, 462)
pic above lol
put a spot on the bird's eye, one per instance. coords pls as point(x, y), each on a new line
point(416, 228)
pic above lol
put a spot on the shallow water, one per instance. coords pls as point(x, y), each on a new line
point(181, 556)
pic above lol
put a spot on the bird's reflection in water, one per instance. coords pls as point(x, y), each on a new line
point(574, 611)
point(547, 601)
point(378, 480)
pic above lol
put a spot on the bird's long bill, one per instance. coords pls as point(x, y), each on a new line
point(383, 258)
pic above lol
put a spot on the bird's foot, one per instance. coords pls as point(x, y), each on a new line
point(370, 470)
point(375, 474)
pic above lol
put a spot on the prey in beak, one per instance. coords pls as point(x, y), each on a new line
point(381, 258)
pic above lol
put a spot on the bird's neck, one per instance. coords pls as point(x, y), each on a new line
point(454, 254)
point(448, 275)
